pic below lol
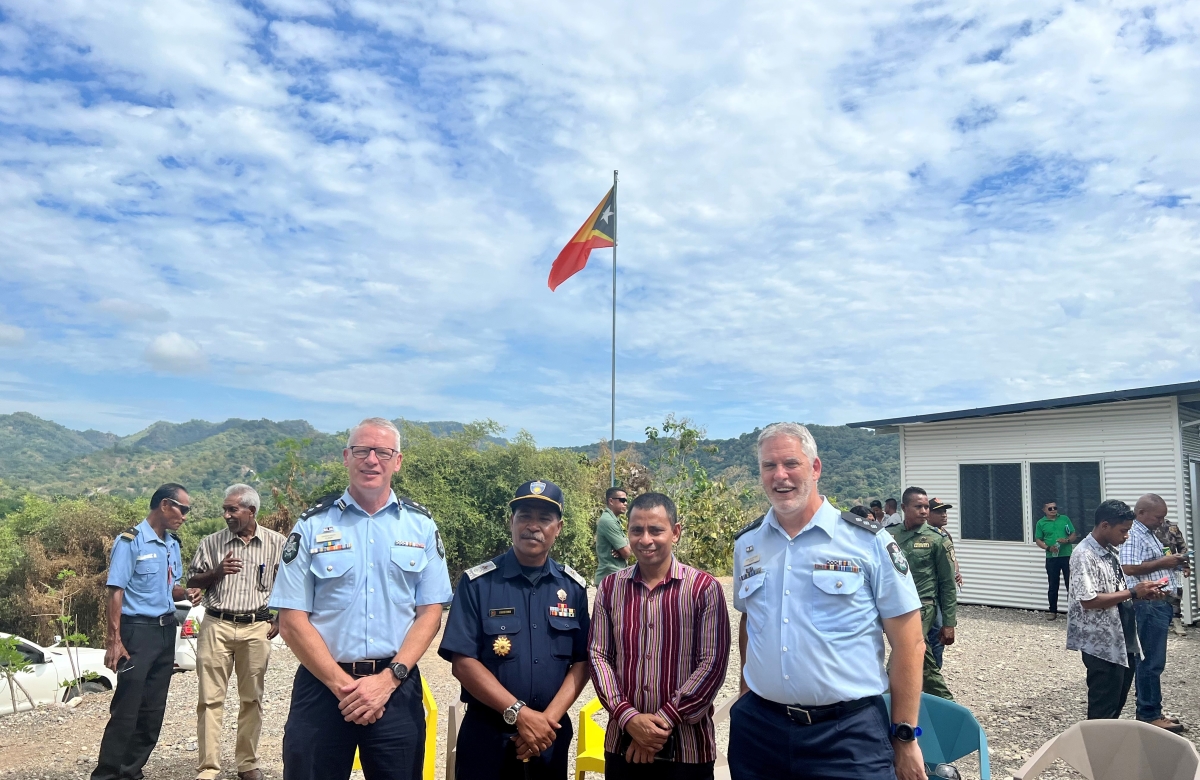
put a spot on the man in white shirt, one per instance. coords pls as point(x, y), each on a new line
point(891, 513)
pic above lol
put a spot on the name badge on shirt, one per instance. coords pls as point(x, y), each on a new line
point(147, 556)
point(753, 559)
point(502, 612)
point(328, 535)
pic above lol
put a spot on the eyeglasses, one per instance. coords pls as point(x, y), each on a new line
point(383, 453)
point(1051, 509)
point(183, 508)
point(621, 500)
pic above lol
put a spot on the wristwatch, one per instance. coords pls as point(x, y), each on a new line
point(905, 732)
point(400, 671)
point(510, 714)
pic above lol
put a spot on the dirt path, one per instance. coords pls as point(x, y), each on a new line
point(1009, 667)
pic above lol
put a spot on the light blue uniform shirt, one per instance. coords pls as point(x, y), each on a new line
point(147, 568)
point(815, 635)
point(361, 577)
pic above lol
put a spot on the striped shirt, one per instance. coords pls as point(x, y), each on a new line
point(250, 588)
point(663, 652)
point(1141, 547)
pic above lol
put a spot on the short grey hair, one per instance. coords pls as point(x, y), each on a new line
point(246, 496)
point(797, 431)
point(375, 422)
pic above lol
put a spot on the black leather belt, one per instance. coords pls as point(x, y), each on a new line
point(141, 620)
point(238, 617)
point(806, 716)
point(366, 668)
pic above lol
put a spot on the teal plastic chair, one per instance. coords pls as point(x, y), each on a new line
point(949, 732)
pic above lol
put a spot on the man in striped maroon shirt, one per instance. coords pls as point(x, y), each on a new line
point(659, 647)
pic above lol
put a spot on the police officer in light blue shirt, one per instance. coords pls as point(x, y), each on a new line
point(360, 594)
point(818, 589)
point(143, 577)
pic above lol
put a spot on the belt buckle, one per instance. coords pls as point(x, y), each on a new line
point(795, 714)
point(368, 665)
point(162, 620)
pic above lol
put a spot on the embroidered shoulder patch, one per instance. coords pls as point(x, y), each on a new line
point(291, 548)
point(898, 559)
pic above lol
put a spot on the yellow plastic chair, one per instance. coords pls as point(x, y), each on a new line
point(589, 742)
point(431, 713)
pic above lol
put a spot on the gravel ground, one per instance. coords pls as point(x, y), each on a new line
point(1008, 667)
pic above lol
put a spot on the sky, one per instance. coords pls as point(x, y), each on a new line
point(828, 212)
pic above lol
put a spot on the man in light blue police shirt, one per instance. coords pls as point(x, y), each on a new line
point(818, 589)
point(360, 597)
point(143, 585)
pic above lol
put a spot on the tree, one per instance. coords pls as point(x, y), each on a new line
point(13, 663)
point(711, 510)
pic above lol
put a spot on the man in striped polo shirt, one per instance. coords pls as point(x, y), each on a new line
point(236, 567)
point(659, 648)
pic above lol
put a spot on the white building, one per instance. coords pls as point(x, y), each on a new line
point(997, 465)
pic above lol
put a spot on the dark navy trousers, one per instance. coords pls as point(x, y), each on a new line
point(318, 742)
point(486, 751)
point(765, 744)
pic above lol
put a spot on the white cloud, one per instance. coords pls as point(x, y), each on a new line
point(809, 193)
point(11, 335)
point(174, 354)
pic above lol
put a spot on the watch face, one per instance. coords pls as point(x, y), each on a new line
point(510, 716)
point(902, 732)
point(399, 670)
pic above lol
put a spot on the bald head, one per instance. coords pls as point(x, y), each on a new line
point(1150, 510)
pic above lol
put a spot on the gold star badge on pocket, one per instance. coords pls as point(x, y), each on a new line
point(501, 646)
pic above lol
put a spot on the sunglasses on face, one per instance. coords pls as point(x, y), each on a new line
point(183, 508)
point(1051, 509)
point(622, 500)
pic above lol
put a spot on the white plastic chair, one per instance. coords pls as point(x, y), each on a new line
point(1117, 750)
point(454, 719)
point(721, 767)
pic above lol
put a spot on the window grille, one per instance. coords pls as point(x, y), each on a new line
point(991, 501)
point(1074, 486)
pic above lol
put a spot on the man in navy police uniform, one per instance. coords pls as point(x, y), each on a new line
point(360, 597)
point(817, 590)
point(517, 637)
point(143, 579)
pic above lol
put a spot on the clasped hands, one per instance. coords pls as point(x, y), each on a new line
point(535, 733)
point(363, 699)
point(650, 732)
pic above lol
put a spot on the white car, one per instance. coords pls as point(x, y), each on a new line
point(187, 633)
point(49, 669)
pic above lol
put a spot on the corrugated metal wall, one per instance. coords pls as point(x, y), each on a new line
point(1190, 440)
point(1135, 442)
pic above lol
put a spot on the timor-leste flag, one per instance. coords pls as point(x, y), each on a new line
point(597, 232)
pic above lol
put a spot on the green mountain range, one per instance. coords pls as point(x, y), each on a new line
point(45, 457)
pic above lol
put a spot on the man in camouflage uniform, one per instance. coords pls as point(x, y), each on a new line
point(932, 568)
point(938, 521)
point(1171, 538)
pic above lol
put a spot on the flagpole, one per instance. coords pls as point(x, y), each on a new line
point(613, 420)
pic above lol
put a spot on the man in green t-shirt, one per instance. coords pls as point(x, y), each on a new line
point(612, 546)
point(1055, 534)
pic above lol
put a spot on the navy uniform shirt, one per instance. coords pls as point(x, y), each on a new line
point(527, 636)
point(361, 577)
point(147, 568)
point(815, 604)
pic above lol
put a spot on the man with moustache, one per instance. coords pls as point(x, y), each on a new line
point(818, 590)
point(517, 639)
point(659, 647)
point(143, 585)
point(360, 594)
point(235, 567)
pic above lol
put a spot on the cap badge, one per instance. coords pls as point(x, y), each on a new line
point(537, 487)
point(501, 646)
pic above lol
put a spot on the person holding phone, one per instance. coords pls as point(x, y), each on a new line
point(1101, 623)
point(659, 648)
point(143, 585)
point(1143, 560)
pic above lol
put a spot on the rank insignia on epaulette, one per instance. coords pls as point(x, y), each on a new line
point(129, 534)
point(475, 572)
point(575, 576)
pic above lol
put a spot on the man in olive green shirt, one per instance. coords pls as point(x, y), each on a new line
point(933, 574)
point(612, 546)
point(1055, 534)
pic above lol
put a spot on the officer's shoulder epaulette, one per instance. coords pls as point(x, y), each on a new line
point(749, 528)
point(866, 523)
point(408, 503)
point(941, 532)
point(475, 572)
point(567, 570)
point(129, 534)
point(323, 503)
